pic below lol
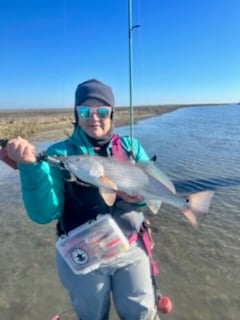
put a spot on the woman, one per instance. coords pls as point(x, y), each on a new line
point(48, 195)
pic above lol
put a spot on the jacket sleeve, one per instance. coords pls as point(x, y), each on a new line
point(42, 191)
point(140, 153)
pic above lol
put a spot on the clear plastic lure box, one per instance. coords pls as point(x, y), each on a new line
point(93, 243)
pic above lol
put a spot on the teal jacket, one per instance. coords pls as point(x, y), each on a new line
point(43, 186)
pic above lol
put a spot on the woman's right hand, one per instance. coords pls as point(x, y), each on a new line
point(20, 150)
point(130, 198)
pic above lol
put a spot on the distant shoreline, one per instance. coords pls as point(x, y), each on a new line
point(41, 124)
point(34, 111)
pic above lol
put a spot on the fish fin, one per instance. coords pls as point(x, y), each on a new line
point(191, 217)
point(150, 168)
point(154, 206)
point(198, 205)
point(109, 196)
point(72, 178)
point(108, 183)
point(108, 190)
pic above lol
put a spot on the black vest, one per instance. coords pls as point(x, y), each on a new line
point(82, 203)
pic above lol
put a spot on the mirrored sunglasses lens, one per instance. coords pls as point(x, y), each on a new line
point(84, 113)
point(103, 112)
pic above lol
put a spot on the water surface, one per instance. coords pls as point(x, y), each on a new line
point(199, 149)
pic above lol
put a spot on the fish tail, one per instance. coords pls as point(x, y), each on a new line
point(197, 205)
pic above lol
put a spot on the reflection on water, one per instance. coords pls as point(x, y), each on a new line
point(198, 149)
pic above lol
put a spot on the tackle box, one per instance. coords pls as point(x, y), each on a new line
point(96, 242)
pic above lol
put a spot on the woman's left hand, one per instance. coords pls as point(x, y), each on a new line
point(130, 198)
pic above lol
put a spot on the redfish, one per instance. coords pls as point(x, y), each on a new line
point(142, 178)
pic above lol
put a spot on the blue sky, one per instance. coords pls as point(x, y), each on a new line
point(186, 51)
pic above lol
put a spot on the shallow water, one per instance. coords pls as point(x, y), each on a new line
point(198, 149)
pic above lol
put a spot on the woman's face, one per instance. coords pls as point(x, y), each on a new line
point(94, 122)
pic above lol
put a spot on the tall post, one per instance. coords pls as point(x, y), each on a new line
point(130, 28)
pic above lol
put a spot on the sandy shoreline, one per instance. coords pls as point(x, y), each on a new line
point(54, 123)
point(47, 124)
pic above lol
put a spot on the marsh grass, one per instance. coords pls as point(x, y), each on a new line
point(28, 124)
point(53, 122)
point(24, 128)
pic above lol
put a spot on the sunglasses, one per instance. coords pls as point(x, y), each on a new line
point(86, 112)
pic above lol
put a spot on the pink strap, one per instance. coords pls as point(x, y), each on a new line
point(118, 152)
point(154, 268)
point(148, 247)
point(132, 238)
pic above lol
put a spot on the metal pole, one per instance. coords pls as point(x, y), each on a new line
point(130, 28)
